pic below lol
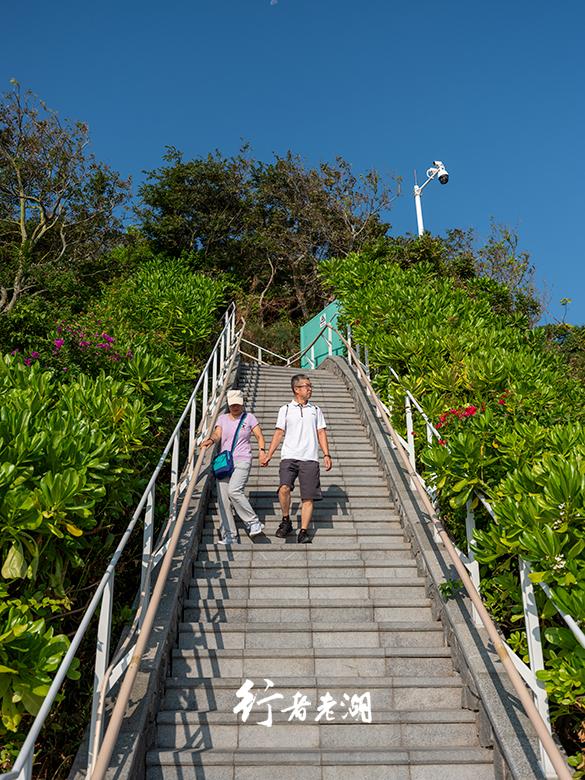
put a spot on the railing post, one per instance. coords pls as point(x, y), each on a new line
point(534, 641)
point(472, 566)
point(214, 375)
point(410, 432)
point(147, 538)
point(367, 361)
point(205, 398)
point(349, 358)
point(102, 656)
point(430, 436)
point(222, 353)
point(192, 429)
point(312, 356)
point(174, 473)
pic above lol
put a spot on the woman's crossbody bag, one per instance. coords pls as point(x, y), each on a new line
point(223, 464)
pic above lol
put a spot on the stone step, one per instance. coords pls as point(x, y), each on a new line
point(296, 569)
point(347, 481)
point(403, 635)
point(221, 732)
point(395, 693)
point(263, 662)
point(258, 555)
point(342, 522)
point(356, 502)
point(303, 587)
point(412, 763)
point(407, 636)
point(317, 533)
point(285, 610)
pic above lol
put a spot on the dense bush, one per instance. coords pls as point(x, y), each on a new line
point(84, 412)
point(511, 421)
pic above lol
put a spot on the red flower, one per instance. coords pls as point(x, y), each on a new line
point(442, 442)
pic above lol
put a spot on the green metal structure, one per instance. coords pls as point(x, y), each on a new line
point(328, 342)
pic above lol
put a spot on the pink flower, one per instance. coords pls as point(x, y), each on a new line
point(27, 361)
point(35, 355)
point(58, 344)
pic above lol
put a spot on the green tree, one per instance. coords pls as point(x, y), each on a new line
point(269, 224)
point(58, 205)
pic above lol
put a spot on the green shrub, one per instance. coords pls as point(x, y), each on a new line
point(511, 423)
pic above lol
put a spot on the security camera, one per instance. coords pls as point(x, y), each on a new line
point(443, 175)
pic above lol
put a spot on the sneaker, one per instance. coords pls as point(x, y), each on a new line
point(285, 528)
point(255, 528)
point(303, 537)
point(227, 540)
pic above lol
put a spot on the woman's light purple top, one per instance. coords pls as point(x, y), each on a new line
point(228, 425)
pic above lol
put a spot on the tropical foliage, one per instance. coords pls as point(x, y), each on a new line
point(511, 421)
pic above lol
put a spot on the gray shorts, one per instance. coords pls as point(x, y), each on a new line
point(308, 474)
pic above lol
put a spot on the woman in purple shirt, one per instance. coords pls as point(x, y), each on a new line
point(230, 492)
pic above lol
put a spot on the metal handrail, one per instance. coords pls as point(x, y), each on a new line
point(216, 369)
point(548, 745)
point(107, 747)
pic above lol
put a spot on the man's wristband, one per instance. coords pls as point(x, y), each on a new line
point(327, 455)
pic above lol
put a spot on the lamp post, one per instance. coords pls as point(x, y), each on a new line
point(438, 170)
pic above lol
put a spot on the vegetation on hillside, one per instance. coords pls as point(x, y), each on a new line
point(511, 420)
point(104, 328)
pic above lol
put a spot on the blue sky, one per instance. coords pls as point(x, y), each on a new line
point(495, 90)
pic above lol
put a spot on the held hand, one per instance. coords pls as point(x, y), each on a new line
point(264, 459)
point(206, 443)
point(328, 463)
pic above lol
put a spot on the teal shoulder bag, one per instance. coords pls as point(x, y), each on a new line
point(223, 464)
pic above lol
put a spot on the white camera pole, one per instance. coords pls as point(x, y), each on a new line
point(438, 170)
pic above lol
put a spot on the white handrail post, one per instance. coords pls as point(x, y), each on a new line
point(472, 566)
point(204, 399)
point(222, 353)
point(410, 432)
point(102, 656)
point(174, 474)
point(192, 428)
point(367, 362)
point(214, 375)
point(534, 641)
point(259, 353)
point(312, 356)
point(147, 539)
point(429, 434)
point(349, 358)
point(330, 345)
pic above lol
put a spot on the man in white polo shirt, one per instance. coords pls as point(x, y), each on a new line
point(302, 426)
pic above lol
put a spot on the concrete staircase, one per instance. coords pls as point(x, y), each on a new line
point(346, 614)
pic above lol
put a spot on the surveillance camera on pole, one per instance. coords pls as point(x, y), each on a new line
point(437, 171)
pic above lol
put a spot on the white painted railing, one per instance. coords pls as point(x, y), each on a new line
point(200, 411)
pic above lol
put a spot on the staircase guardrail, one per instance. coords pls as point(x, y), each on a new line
point(520, 674)
point(206, 398)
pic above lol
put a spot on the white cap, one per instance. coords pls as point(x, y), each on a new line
point(235, 397)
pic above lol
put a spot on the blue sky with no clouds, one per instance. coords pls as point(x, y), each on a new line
point(495, 90)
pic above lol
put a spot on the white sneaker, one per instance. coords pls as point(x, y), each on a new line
point(228, 540)
point(255, 528)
